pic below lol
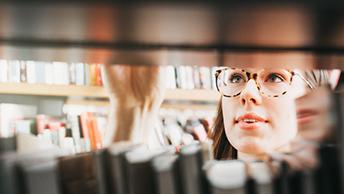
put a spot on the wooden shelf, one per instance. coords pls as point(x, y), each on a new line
point(99, 92)
point(52, 90)
point(192, 95)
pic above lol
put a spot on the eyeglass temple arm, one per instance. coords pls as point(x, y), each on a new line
point(310, 85)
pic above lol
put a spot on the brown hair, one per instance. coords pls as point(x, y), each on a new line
point(222, 149)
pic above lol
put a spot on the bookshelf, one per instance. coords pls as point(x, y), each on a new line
point(202, 95)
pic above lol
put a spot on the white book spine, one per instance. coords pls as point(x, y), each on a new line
point(182, 76)
point(205, 76)
point(68, 145)
point(80, 74)
point(72, 74)
point(49, 73)
point(14, 71)
point(40, 72)
point(61, 73)
point(31, 72)
point(23, 73)
point(3, 71)
point(189, 78)
point(171, 79)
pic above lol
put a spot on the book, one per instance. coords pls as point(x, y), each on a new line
point(94, 133)
point(103, 166)
point(72, 73)
point(61, 73)
point(40, 176)
point(182, 77)
point(98, 75)
point(170, 77)
point(11, 178)
point(139, 166)
point(8, 144)
point(31, 72)
point(87, 70)
point(14, 71)
point(227, 177)
point(166, 173)
point(118, 179)
point(192, 177)
point(3, 71)
point(78, 174)
point(189, 78)
point(262, 176)
point(93, 74)
point(197, 77)
point(49, 73)
point(11, 112)
point(80, 74)
point(40, 73)
point(205, 77)
point(23, 75)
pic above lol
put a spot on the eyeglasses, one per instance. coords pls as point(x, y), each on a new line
point(270, 82)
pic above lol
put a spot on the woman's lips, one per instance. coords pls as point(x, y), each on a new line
point(250, 121)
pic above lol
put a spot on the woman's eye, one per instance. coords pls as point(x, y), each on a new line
point(275, 78)
point(236, 78)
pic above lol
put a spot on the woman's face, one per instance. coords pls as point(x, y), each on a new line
point(255, 123)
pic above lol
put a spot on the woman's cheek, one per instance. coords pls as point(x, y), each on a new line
point(284, 122)
point(228, 110)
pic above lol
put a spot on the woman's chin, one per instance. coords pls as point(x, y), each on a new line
point(252, 146)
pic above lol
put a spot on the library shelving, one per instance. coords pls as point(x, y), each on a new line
point(204, 95)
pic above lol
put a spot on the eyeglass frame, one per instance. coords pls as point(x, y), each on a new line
point(254, 77)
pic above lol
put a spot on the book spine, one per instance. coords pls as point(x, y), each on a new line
point(23, 74)
point(72, 74)
point(88, 81)
point(61, 73)
point(80, 74)
point(40, 74)
point(189, 79)
point(98, 76)
point(3, 71)
point(205, 75)
point(14, 71)
point(33, 176)
point(31, 72)
point(49, 73)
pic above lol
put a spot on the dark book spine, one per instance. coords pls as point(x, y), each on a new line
point(78, 174)
point(8, 144)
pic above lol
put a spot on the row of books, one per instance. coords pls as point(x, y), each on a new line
point(39, 72)
point(80, 132)
point(83, 128)
point(190, 77)
point(125, 168)
point(184, 77)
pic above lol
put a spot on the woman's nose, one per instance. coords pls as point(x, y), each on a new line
point(250, 94)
